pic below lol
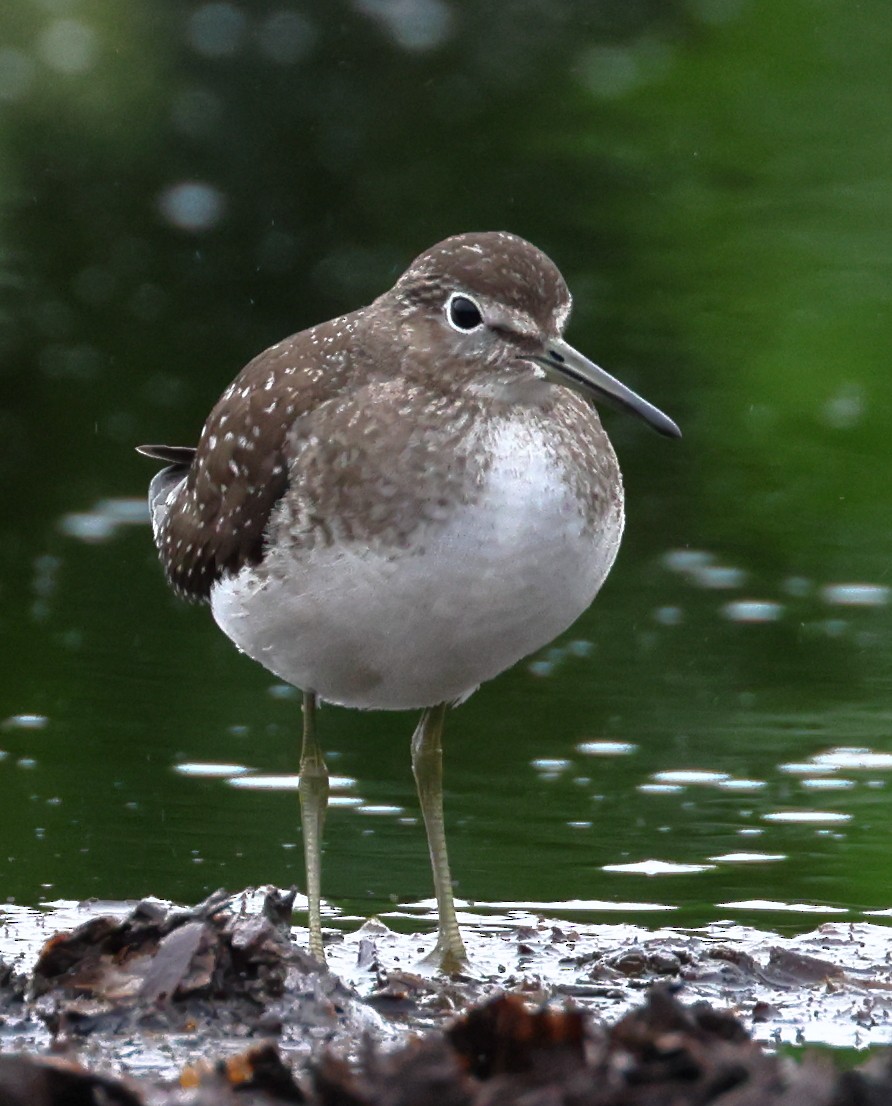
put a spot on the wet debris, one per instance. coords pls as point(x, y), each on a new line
point(222, 998)
point(37, 1081)
point(502, 1053)
point(215, 973)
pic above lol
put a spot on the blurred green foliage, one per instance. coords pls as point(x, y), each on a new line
point(185, 182)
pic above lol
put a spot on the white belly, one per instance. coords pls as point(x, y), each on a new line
point(393, 629)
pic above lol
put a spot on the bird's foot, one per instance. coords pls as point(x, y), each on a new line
point(447, 957)
point(316, 950)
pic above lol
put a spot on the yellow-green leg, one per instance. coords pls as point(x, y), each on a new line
point(427, 766)
point(313, 792)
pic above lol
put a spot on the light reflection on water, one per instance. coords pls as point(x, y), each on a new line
point(738, 655)
point(614, 836)
point(821, 771)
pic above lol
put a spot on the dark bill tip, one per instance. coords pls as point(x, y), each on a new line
point(567, 366)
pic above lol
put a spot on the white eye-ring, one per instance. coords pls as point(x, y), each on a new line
point(463, 314)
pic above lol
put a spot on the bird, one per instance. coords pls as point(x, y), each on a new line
point(388, 509)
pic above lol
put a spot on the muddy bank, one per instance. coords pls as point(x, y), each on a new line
point(194, 1005)
point(499, 1054)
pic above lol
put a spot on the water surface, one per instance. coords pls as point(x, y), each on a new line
point(182, 186)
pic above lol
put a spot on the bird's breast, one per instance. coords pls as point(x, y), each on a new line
point(479, 585)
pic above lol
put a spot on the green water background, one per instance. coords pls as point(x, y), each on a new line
point(182, 184)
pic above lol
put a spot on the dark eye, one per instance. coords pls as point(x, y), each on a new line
point(463, 313)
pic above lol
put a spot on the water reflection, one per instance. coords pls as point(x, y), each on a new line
point(818, 773)
point(658, 868)
point(718, 195)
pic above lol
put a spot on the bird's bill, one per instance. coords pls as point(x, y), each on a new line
point(565, 365)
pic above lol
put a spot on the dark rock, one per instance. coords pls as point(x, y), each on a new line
point(33, 1081)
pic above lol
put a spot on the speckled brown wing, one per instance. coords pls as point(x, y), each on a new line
point(215, 516)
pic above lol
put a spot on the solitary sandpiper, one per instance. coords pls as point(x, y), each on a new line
point(387, 509)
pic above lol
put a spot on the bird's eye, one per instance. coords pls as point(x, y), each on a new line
point(463, 314)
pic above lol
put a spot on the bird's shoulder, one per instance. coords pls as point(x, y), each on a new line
point(216, 522)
